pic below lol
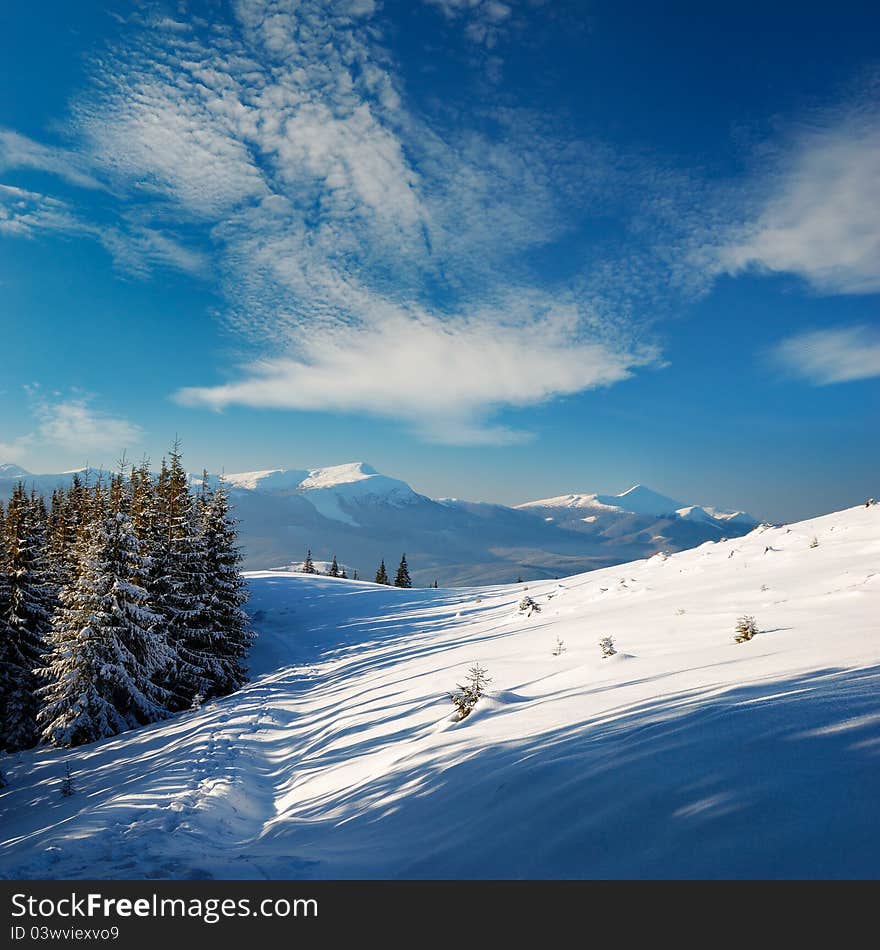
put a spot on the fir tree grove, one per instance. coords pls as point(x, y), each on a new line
point(120, 603)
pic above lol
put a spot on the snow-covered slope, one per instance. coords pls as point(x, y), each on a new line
point(685, 755)
point(362, 516)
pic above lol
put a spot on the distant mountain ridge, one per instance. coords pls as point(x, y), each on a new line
point(361, 516)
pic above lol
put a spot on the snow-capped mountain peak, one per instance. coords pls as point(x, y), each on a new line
point(639, 500)
point(642, 500)
point(336, 492)
point(271, 481)
point(337, 475)
point(11, 470)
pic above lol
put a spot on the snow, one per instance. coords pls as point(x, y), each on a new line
point(10, 470)
point(568, 501)
point(336, 475)
point(644, 501)
point(271, 481)
point(331, 490)
point(685, 755)
point(640, 500)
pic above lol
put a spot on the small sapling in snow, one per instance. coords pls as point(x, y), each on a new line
point(745, 629)
point(67, 782)
point(466, 696)
point(607, 645)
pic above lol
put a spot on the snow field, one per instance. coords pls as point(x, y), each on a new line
point(685, 755)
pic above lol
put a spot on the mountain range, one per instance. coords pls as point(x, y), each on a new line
point(361, 516)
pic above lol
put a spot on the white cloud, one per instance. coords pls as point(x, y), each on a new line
point(831, 356)
point(365, 249)
point(485, 20)
point(23, 213)
point(75, 425)
point(443, 378)
point(137, 250)
point(819, 216)
point(17, 450)
point(70, 423)
point(18, 151)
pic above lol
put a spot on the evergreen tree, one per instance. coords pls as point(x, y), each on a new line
point(179, 586)
point(403, 578)
point(59, 540)
point(143, 501)
point(382, 574)
point(99, 675)
point(25, 608)
point(309, 565)
point(230, 636)
point(334, 568)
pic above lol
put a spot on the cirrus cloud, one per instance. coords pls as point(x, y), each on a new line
point(818, 213)
point(824, 357)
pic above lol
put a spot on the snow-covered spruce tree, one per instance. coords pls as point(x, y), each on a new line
point(528, 606)
point(382, 574)
point(607, 646)
point(466, 696)
point(308, 564)
point(142, 502)
point(403, 579)
point(334, 568)
point(99, 677)
point(178, 588)
point(745, 629)
point(25, 608)
point(230, 637)
point(60, 538)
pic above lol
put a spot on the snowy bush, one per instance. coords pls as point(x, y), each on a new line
point(607, 645)
point(559, 649)
point(528, 606)
point(814, 543)
point(466, 696)
point(745, 628)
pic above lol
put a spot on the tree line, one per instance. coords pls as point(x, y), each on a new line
point(402, 578)
point(121, 602)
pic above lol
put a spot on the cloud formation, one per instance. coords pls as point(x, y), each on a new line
point(831, 356)
point(24, 213)
point(446, 377)
point(18, 151)
point(486, 21)
point(379, 258)
point(75, 425)
point(373, 259)
point(819, 209)
point(70, 423)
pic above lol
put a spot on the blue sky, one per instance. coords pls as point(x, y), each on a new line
point(503, 250)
